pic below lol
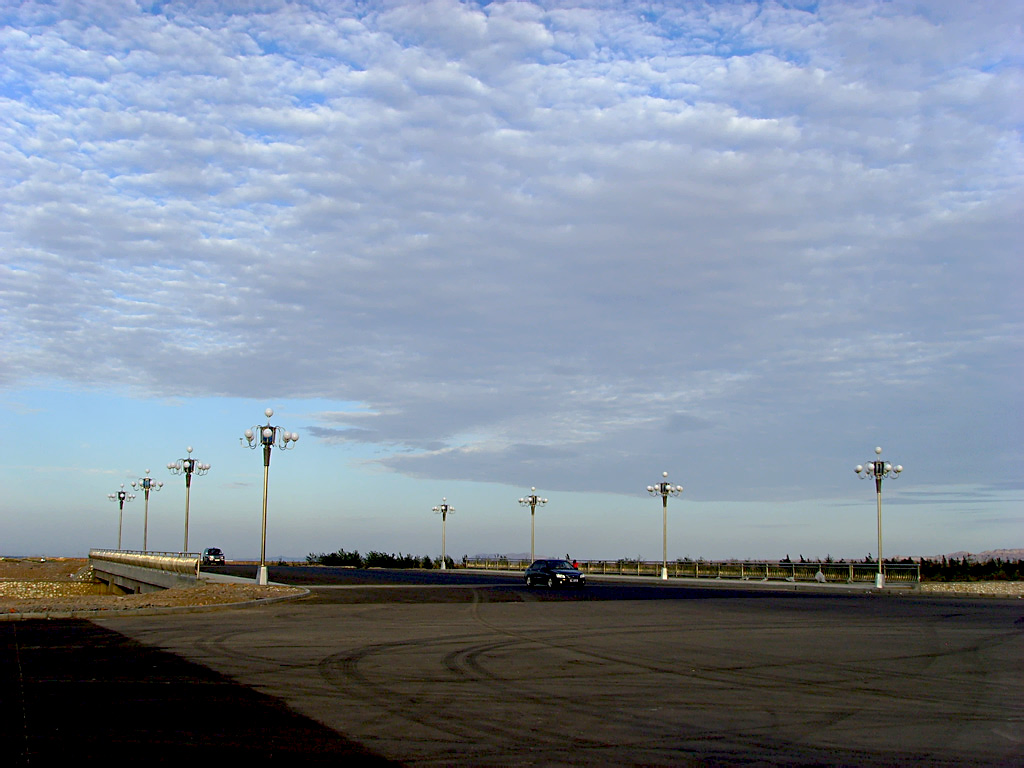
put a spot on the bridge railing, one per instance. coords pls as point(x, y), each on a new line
point(904, 573)
point(185, 564)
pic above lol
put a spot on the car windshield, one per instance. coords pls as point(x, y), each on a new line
point(560, 564)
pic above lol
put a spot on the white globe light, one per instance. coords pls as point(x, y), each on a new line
point(269, 412)
point(858, 469)
point(295, 437)
point(899, 468)
point(248, 434)
point(878, 449)
point(268, 432)
point(189, 449)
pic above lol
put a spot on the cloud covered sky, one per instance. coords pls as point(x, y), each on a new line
point(470, 248)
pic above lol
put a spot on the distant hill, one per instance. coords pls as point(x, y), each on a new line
point(983, 557)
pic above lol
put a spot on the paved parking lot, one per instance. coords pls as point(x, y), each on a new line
point(493, 674)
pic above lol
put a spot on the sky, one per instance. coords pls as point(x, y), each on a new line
point(464, 249)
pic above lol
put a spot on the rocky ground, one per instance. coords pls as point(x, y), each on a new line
point(47, 586)
point(976, 588)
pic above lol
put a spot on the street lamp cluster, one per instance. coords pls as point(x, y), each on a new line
point(444, 509)
point(267, 435)
point(532, 501)
point(147, 484)
point(120, 497)
point(187, 467)
point(664, 489)
point(878, 469)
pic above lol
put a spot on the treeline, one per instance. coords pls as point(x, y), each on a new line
point(376, 560)
point(952, 569)
point(964, 570)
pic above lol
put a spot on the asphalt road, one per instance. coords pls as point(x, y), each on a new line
point(475, 670)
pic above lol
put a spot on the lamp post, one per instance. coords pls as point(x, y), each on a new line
point(444, 509)
point(120, 497)
point(664, 489)
point(188, 467)
point(532, 501)
point(878, 469)
point(146, 484)
point(268, 436)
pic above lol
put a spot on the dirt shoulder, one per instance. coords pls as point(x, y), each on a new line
point(64, 585)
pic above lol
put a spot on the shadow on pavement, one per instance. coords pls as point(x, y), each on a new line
point(73, 691)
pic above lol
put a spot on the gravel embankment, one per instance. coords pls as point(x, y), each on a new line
point(37, 586)
point(975, 588)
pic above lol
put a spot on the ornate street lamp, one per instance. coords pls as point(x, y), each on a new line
point(146, 484)
point(268, 436)
point(664, 489)
point(878, 469)
point(532, 501)
point(444, 509)
point(120, 497)
point(188, 467)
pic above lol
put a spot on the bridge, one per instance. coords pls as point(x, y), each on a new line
point(132, 571)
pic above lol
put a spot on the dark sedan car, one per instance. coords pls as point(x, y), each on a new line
point(213, 556)
point(554, 573)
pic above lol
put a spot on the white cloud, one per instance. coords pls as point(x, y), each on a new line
point(517, 227)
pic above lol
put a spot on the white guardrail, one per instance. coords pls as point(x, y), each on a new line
point(906, 573)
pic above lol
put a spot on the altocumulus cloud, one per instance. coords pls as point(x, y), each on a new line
point(546, 243)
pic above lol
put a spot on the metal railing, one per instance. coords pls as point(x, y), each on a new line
point(824, 572)
point(171, 562)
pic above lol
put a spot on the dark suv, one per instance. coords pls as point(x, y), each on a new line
point(554, 573)
point(213, 556)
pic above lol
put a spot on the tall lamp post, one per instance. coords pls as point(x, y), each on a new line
point(878, 469)
point(664, 489)
point(268, 436)
point(146, 484)
point(532, 501)
point(120, 497)
point(444, 509)
point(188, 467)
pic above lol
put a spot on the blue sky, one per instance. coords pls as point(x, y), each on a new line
point(464, 249)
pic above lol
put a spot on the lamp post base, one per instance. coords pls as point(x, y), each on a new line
point(443, 566)
point(664, 573)
point(879, 581)
point(261, 576)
